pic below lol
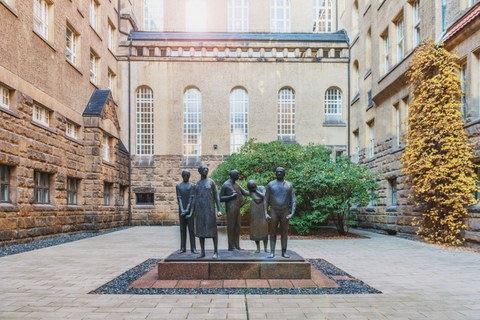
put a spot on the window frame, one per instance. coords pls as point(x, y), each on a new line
point(41, 115)
point(42, 187)
point(280, 24)
point(286, 115)
point(111, 35)
point(72, 190)
point(147, 18)
point(371, 139)
point(107, 148)
point(145, 121)
point(5, 97)
point(192, 125)
point(243, 7)
point(41, 18)
point(386, 51)
point(238, 111)
point(152, 203)
point(333, 105)
point(68, 129)
point(400, 28)
point(94, 67)
point(94, 14)
point(464, 87)
point(107, 193)
point(416, 19)
point(324, 24)
point(73, 48)
point(5, 183)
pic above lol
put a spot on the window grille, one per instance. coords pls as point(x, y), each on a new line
point(286, 115)
point(238, 119)
point(192, 125)
point(145, 124)
point(280, 16)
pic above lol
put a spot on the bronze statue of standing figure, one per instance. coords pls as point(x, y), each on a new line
point(258, 224)
point(185, 198)
point(206, 199)
point(280, 197)
point(233, 196)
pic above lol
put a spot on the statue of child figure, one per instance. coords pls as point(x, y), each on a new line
point(258, 224)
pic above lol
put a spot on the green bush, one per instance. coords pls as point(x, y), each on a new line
point(323, 188)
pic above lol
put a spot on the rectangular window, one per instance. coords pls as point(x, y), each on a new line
point(196, 15)
point(107, 193)
point(4, 97)
point(416, 23)
point(4, 183)
point(238, 16)
point(72, 43)
point(93, 67)
point(322, 16)
point(72, 191)
point(111, 35)
point(153, 15)
point(41, 115)
point(94, 11)
point(477, 191)
point(280, 16)
point(42, 187)
point(41, 17)
point(400, 38)
point(106, 148)
point(286, 115)
point(371, 139)
point(121, 195)
point(356, 147)
point(397, 122)
point(463, 83)
point(111, 81)
point(145, 199)
point(386, 51)
point(392, 184)
point(72, 130)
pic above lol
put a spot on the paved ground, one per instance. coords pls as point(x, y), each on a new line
point(418, 281)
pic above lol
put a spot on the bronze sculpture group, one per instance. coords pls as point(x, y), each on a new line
point(199, 207)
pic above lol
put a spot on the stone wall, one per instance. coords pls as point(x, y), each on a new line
point(26, 146)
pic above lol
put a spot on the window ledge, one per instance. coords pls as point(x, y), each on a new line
point(111, 164)
point(391, 209)
point(395, 66)
point(94, 84)
point(40, 125)
point(355, 39)
point(367, 74)
point(74, 140)
point(356, 97)
point(74, 207)
point(334, 124)
point(10, 8)
point(8, 206)
point(381, 4)
point(45, 40)
point(44, 207)
point(112, 53)
point(81, 13)
point(369, 5)
point(398, 149)
point(10, 112)
point(74, 67)
point(468, 124)
point(96, 32)
point(144, 206)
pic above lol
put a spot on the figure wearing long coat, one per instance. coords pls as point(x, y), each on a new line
point(205, 214)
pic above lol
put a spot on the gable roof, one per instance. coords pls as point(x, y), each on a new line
point(96, 103)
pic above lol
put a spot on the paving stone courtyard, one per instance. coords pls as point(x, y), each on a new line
point(417, 281)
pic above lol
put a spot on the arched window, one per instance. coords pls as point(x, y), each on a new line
point(238, 16)
point(355, 17)
point(192, 125)
point(144, 117)
point(238, 118)
point(280, 16)
point(286, 115)
point(333, 106)
point(322, 16)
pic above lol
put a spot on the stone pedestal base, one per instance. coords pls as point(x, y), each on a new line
point(242, 264)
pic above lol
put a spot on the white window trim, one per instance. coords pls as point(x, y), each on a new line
point(93, 67)
point(286, 115)
point(4, 97)
point(280, 24)
point(333, 105)
point(386, 52)
point(94, 8)
point(400, 25)
point(106, 148)
point(111, 35)
point(371, 139)
point(41, 17)
point(153, 22)
point(238, 111)
point(416, 23)
point(322, 16)
point(398, 125)
point(71, 130)
point(41, 115)
point(192, 124)
point(145, 121)
point(71, 51)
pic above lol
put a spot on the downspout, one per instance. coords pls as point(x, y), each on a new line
point(129, 134)
point(348, 96)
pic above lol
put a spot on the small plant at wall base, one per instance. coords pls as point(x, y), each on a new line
point(437, 158)
point(324, 189)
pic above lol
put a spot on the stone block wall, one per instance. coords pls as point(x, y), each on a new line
point(26, 147)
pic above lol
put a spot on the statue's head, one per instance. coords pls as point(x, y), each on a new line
point(251, 186)
point(280, 173)
point(203, 170)
point(234, 175)
point(185, 175)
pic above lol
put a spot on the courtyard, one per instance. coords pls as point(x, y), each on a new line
point(416, 280)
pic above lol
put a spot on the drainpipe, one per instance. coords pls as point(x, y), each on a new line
point(348, 96)
point(129, 135)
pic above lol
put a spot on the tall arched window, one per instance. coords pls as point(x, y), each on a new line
point(280, 16)
point(144, 117)
point(238, 118)
point(237, 15)
point(286, 115)
point(355, 18)
point(192, 125)
point(333, 106)
point(322, 16)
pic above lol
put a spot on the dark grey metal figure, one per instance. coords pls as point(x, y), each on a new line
point(232, 194)
point(185, 198)
point(258, 224)
point(206, 198)
point(280, 197)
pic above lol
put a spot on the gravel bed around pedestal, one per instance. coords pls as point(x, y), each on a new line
point(53, 241)
point(121, 284)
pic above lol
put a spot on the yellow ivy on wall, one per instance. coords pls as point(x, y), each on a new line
point(437, 159)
